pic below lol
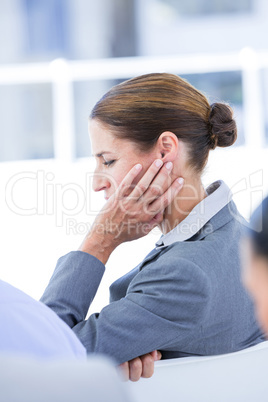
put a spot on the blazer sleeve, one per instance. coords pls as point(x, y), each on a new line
point(164, 306)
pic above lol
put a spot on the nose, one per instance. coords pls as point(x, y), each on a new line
point(100, 182)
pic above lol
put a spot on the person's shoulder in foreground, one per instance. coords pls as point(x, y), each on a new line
point(29, 327)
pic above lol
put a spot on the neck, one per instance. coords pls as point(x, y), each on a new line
point(191, 194)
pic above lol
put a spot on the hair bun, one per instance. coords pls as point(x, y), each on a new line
point(223, 130)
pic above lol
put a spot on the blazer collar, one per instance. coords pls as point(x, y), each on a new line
point(218, 197)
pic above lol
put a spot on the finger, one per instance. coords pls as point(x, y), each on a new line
point(147, 365)
point(162, 202)
point(156, 354)
point(157, 219)
point(146, 179)
point(124, 369)
point(135, 369)
point(126, 183)
point(159, 355)
point(160, 184)
point(146, 228)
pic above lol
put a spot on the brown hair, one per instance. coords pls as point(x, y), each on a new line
point(142, 108)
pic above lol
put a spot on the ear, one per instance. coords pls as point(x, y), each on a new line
point(167, 146)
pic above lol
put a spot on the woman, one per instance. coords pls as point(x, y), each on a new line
point(185, 298)
point(254, 251)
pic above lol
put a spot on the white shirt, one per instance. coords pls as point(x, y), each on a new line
point(29, 327)
point(218, 195)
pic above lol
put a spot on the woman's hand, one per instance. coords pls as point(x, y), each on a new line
point(142, 366)
point(133, 210)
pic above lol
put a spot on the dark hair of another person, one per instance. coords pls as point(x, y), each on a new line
point(259, 229)
point(142, 108)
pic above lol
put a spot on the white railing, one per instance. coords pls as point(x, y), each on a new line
point(62, 73)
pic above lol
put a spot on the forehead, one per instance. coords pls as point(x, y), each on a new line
point(99, 132)
point(103, 140)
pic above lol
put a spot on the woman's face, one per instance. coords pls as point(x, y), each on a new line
point(114, 158)
point(255, 276)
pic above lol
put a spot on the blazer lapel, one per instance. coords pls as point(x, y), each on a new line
point(150, 257)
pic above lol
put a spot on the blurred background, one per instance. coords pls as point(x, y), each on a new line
point(58, 57)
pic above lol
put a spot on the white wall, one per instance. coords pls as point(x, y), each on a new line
point(161, 31)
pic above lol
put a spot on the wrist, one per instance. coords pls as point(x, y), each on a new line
point(100, 247)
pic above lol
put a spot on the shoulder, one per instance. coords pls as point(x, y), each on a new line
point(174, 288)
point(10, 295)
point(227, 220)
point(31, 327)
point(171, 271)
point(211, 258)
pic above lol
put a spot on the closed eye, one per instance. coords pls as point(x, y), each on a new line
point(109, 163)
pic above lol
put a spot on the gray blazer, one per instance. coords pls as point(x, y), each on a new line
point(184, 299)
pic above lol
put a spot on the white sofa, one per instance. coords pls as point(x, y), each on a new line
point(234, 377)
point(24, 379)
point(240, 376)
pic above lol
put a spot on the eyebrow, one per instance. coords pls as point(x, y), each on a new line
point(99, 155)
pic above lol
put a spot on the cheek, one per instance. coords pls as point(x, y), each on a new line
point(261, 308)
point(115, 181)
point(259, 292)
point(118, 177)
point(121, 170)
point(117, 174)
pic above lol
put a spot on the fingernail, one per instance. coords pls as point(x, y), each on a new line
point(138, 166)
point(180, 180)
point(158, 163)
point(169, 165)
